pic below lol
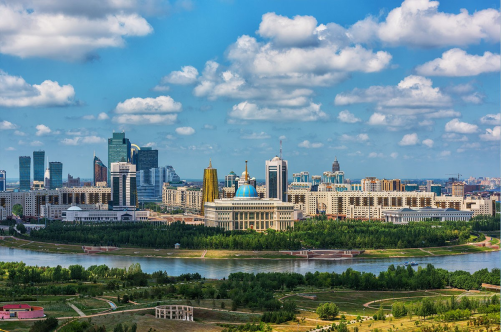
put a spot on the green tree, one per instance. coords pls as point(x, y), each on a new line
point(17, 209)
point(327, 310)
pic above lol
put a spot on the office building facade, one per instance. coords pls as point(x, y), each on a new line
point(24, 173)
point(100, 171)
point(276, 178)
point(123, 186)
point(210, 189)
point(119, 150)
point(147, 158)
point(3, 180)
point(56, 175)
point(38, 165)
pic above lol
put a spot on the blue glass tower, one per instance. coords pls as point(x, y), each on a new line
point(38, 165)
point(3, 181)
point(118, 150)
point(24, 173)
point(147, 158)
point(56, 174)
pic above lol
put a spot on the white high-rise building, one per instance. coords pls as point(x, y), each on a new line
point(276, 178)
point(123, 186)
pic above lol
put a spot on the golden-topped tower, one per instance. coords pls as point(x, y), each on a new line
point(210, 189)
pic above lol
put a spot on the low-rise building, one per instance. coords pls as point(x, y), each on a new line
point(406, 215)
point(75, 213)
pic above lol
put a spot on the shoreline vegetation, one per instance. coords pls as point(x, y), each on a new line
point(77, 299)
point(57, 248)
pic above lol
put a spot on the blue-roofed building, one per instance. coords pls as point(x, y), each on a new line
point(246, 210)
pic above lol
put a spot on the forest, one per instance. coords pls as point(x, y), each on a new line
point(312, 233)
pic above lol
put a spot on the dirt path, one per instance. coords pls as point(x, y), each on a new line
point(426, 251)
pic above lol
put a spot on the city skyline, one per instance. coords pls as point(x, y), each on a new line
point(389, 103)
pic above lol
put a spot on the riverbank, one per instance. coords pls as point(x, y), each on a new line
point(13, 242)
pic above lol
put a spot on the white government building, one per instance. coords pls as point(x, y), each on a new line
point(247, 211)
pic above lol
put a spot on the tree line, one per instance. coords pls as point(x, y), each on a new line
point(313, 233)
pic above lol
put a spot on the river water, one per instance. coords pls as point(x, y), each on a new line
point(219, 268)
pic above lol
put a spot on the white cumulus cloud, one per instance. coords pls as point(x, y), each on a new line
point(409, 139)
point(42, 130)
point(394, 155)
point(493, 134)
point(428, 142)
point(491, 119)
point(187, 75)
point(419, 23)
point(261, 135)
point(161, 104)
point(456, 126)
point(185, 131)
point(375, 155)
point(412, 94)
point(144, 119)
point(347, 117)
point(16, 92)
point(309, 145)
point(250, 111)
point(356, 138)
point(456, 62)
point(6, 125)
point(67, 30)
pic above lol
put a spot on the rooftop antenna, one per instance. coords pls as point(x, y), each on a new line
point(280, 149)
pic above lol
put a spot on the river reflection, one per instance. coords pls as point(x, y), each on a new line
point(219, 268)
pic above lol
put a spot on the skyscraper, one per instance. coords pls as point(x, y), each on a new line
point(335, 165)
point(118, 150)
point(147, 158)
point(229, 180)
point(123, 186)
point(100, 171)
point(56, 174)
point(3, 181)
point(210, 189)
point(276, 178)
point(24, 173)
point(38, 165)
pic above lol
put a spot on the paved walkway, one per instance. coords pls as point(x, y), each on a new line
point(80, 312)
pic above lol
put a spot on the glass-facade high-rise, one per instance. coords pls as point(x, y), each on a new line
point(123, 187)
point(276, 178)
point(100, 171)
point(24, 173)
point(437, 189)
point(147, 158)
point(3, 181)
point(118, 150)
point(56, 174)
point(38, 165)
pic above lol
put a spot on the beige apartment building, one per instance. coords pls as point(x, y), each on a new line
point(370, 205)
point(186, 198)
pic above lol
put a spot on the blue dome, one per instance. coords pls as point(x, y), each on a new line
point(246, 190)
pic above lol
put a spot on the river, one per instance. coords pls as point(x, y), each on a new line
point(219, 268)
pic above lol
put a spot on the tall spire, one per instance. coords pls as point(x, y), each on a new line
point(210, 163)
point(246, 174)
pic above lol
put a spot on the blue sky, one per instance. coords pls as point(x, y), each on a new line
point(393, 89)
